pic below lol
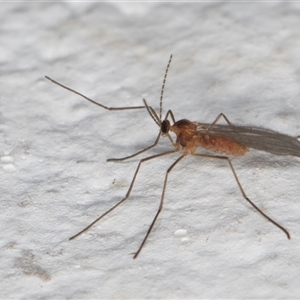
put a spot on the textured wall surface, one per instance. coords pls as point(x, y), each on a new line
point(239, 59)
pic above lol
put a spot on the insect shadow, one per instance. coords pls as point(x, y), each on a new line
point(226, 139)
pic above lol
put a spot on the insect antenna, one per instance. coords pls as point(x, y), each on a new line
point(150, 110)
point(163, 87)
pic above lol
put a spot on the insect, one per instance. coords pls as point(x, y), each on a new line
point(229, 139)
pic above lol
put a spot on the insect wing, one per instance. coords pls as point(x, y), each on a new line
point(254, 137)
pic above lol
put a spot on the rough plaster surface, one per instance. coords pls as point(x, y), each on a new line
point(241, 59)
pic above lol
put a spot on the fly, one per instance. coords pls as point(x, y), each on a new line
point(228, 139)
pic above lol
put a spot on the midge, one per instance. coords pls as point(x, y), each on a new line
point(229, 139)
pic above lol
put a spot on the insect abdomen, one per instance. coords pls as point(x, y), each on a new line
point(220, 145)
point(189, 139)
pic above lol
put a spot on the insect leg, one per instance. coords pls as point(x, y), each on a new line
point(137, 153)
point(160, 205)
point(127, 194)
point(91, 100)
point(243, 192)
point(217, 119)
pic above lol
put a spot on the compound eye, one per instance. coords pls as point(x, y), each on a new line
point(165, 126)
